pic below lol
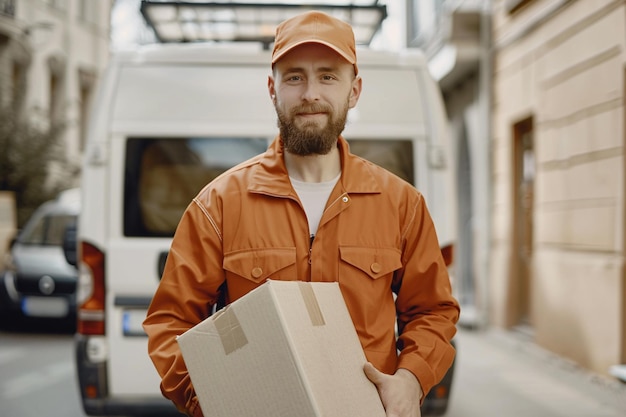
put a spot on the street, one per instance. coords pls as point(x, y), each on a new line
point(37, 375)
point(497, 375)
point(501, 374)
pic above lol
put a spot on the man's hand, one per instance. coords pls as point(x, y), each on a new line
point(400, 393)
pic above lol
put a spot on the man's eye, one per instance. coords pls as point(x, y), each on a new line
point(294, 78)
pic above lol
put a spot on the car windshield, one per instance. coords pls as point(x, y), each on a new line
point(49, 230)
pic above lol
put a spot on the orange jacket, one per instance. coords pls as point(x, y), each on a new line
point(375, 237)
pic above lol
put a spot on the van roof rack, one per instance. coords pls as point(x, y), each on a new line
point(230, 21)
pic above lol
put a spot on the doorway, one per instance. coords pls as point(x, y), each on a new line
point(524, 182)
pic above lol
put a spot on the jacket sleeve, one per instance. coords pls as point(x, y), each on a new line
point(185, 296)
point(427, 311)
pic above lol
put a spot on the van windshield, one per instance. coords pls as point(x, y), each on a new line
point(163, 175)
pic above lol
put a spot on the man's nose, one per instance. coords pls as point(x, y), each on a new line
point(311, 91)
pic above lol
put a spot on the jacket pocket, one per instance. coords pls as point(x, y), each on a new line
point(375, 262)
point(257, 265)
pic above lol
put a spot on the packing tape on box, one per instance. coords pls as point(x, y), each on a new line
point(232, 335)
point(230, 331)
point(312, 306)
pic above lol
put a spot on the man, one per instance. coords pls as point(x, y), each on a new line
point(309, 210)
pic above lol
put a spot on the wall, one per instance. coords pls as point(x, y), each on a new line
point(562, 63)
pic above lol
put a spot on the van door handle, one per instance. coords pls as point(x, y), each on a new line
point(161, 263)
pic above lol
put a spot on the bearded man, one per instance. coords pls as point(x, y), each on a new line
point(307, 209)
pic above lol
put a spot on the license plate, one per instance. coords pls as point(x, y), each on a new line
point(131, 322)
point(45, 307)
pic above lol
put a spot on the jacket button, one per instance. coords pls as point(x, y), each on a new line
point(345, 199)
point(257, 272)
point(375, 267)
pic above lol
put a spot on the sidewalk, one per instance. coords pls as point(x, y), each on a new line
point(502, 374)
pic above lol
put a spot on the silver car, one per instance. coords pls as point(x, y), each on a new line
point(37, 284)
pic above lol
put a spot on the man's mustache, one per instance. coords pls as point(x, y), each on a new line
point(310, 108)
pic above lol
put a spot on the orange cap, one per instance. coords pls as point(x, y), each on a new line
point(315, 27)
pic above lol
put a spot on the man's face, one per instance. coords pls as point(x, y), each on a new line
point(312, 89)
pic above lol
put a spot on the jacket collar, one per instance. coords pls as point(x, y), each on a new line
point(271, 177)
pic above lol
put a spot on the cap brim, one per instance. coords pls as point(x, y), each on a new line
point(282, 53)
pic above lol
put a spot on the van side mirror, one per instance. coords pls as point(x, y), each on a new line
point(70, 249)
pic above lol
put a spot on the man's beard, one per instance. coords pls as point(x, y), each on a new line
point(310, 139)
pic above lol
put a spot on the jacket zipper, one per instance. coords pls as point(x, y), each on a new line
point(311, 248)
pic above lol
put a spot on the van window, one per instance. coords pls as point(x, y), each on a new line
point(394, 155)
point(163, 175)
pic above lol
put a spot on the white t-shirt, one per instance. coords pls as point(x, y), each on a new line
point(314, 196)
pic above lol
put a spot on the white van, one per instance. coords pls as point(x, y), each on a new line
point(167, 120)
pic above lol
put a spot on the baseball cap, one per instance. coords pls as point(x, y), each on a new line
point(315, 27)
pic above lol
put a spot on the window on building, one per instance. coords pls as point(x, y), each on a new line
point(18, 85)
point(83, 5)
point(88, 11)
point(86, 81)
point(53, 106)
point(56, 94)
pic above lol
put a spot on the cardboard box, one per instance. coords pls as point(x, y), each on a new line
point(285, 349)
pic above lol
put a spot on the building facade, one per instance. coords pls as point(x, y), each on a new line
point(52, 53)
point(558, 138)
point(535, 94)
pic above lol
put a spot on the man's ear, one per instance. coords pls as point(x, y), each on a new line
point(355, 92)
point(271, 88)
